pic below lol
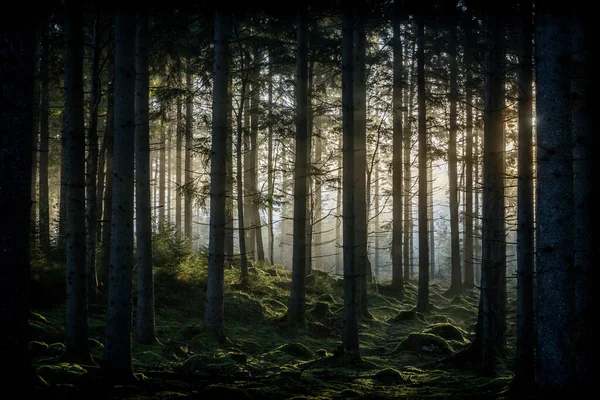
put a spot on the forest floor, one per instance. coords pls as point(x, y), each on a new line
point(265, 358)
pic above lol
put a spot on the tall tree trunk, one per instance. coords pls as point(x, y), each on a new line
point(455, 270)
point(556, 363)
point(407, 140)
point(431, 232)
point(117, 345)
point(583, 172)
point(423, 293)
point(76, 332)
point(309, 178)
point(44, 203)
point(170, 174)
point(213, 317)
point(525, 365)
point(270, 174)
point(284, 205)
point(178, 144)
point(476, 218)
point(229, 254)
point(339, 267)
point(144, 324)
point(350, 338)
point(377, 227)
point(297, 304)
point(17, 63)
point(492, 304)
point(162, 160)
point(100, 190)
point(256, 224)
point(35, 132)
point(189, 137)
point(248, 165)
point(108, 145)
point(318, 198)
point(62, 206)
point(92, 166)
point(469, 262)
point(397, 166)
point(240, 174)
point(360, 163)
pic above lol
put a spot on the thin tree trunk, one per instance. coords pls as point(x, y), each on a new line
point(407, 243)
point(423, 293)
point(213, 317)
point(455, 270)
point(360, 163)
point(469, 262)
point(492, 304)
point(144, 324)
point(162, 161)
point(91, 217)
point(251, 243)
point(35, 132)
point(525, 363)
point(476, 224)
point(178, 144)
point(318, 199)
point(270, 174)
point(350, 338)
point(44, 203)
point(309, 178)
point(556, 360)
point(76, 332)
point(189, 137)
point(339, 267)
point(376, 226)
point(297, 304)
point(256, 224)
point(397, 166)
point(431, 233)
point(229, 254)
point(117, 345)
point(240, 186)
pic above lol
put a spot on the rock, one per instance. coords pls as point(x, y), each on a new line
point(408, 315)
point(390, 376)
point(297, 350)
point(446, 331)
point(61, 373)
point(424, 342)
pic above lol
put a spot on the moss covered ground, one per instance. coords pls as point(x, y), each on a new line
point(265, 358)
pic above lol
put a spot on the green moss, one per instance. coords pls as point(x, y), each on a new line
point(296, 349)
point(390, 376)
point(424, 343)
point(408, 315)
point(33, 316)
point(61, 373)
point(446, 331)
point(320, 309)
point(326, 298)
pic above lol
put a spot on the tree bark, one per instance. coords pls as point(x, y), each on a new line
point(76, 332)
point(397, 166)
point(297, 304)
point(423, 293)
point(556, 363)
point(256, 224)
point(44, 203)
point(189, 137)
point(213, 317)
point(117, 345)
point(144, 324)
point(525, 365)
point(178, 145)
point(469, 262)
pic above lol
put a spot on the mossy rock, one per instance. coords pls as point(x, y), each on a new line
point(297, 350)
point(148, 358)
point(61, 373)
point(33, 316)
point(446, 331)
point(242, 308)
point(407, 315)
point(320, 309)
point(40, 331)
point(207, 364)
point(440, 319)
point(424, 342)
point(37, 349)
point(461, 312)
point(326, 298)
point(321, 353)
point(239, 358)
point(272, 272)
point(223, 392)
point(390, 376)
point(461, 301)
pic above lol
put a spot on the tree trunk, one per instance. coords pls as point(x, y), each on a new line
point(248, 165)
point(35, 132)
point(213, 317)
point(76, 332)
point(144, 326)
point(423, 294)
point(189, 137)
point(525, 365)
point(455, 270)
point(92, 166)
point(469, 262)
point(270, 174)
point(583, 184)
point(476, 218)
point(229, 254)
point(350, 339)
point(297, 304)
point(376, 227)
point(318, 198)
point(16, 114)
point(44, 203)
point(256, 224)
point(360, 160)
point(117, 345)
point(309, 178)
point(108, 145)
point(397, 187)
point(492, 304)
point(162, 161)
point(556, 363)
point(431, 233)
point(339, 267)
point(240, 186)
point(178, 144)
point(408, 224)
